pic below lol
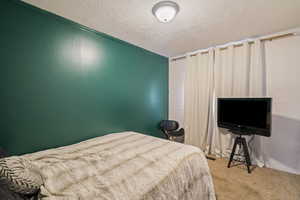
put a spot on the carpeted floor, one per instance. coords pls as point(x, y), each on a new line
point(262, 184)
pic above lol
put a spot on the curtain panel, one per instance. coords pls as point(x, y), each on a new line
point(197, 98)
point(231, 72)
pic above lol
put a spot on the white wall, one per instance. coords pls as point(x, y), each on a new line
point(283, 82)
point(176, 91)
point(282, 58)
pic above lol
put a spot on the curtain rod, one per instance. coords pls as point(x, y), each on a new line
point(270, 38)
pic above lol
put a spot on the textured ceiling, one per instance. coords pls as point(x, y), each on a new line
point(199, 24)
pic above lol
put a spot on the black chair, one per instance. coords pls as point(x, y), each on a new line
point(171, 131)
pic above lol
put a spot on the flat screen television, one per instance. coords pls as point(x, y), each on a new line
point(248, 115)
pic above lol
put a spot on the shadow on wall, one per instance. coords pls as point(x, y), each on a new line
point(283, 148)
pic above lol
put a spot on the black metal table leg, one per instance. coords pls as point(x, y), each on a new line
point(242, 144)
point(232, 152)
point(247, 156)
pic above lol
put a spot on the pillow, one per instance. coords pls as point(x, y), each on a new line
point(6, 194)
point(20, 175)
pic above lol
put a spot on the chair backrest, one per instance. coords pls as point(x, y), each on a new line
point(169, 125)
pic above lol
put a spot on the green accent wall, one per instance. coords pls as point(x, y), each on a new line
point(61, 83)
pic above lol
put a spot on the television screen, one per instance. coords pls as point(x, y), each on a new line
point(251, 115)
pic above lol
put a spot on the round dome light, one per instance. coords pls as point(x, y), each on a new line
point(165, 11)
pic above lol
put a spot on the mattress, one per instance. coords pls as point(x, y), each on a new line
point(124, 166)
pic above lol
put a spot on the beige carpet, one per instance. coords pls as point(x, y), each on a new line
point(262, 184)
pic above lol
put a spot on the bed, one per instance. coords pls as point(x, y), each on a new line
point(123, 166)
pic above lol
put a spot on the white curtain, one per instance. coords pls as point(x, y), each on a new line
point(197, 93)
point(258, 88)
point(232, 76)
point(231, 72)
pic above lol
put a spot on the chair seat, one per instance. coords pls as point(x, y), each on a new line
point(180, 132)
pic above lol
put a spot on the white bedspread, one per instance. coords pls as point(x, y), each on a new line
point(124, 166)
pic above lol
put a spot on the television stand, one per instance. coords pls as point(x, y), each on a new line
point(241, 141)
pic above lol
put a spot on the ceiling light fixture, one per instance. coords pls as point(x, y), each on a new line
point(165, 11)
